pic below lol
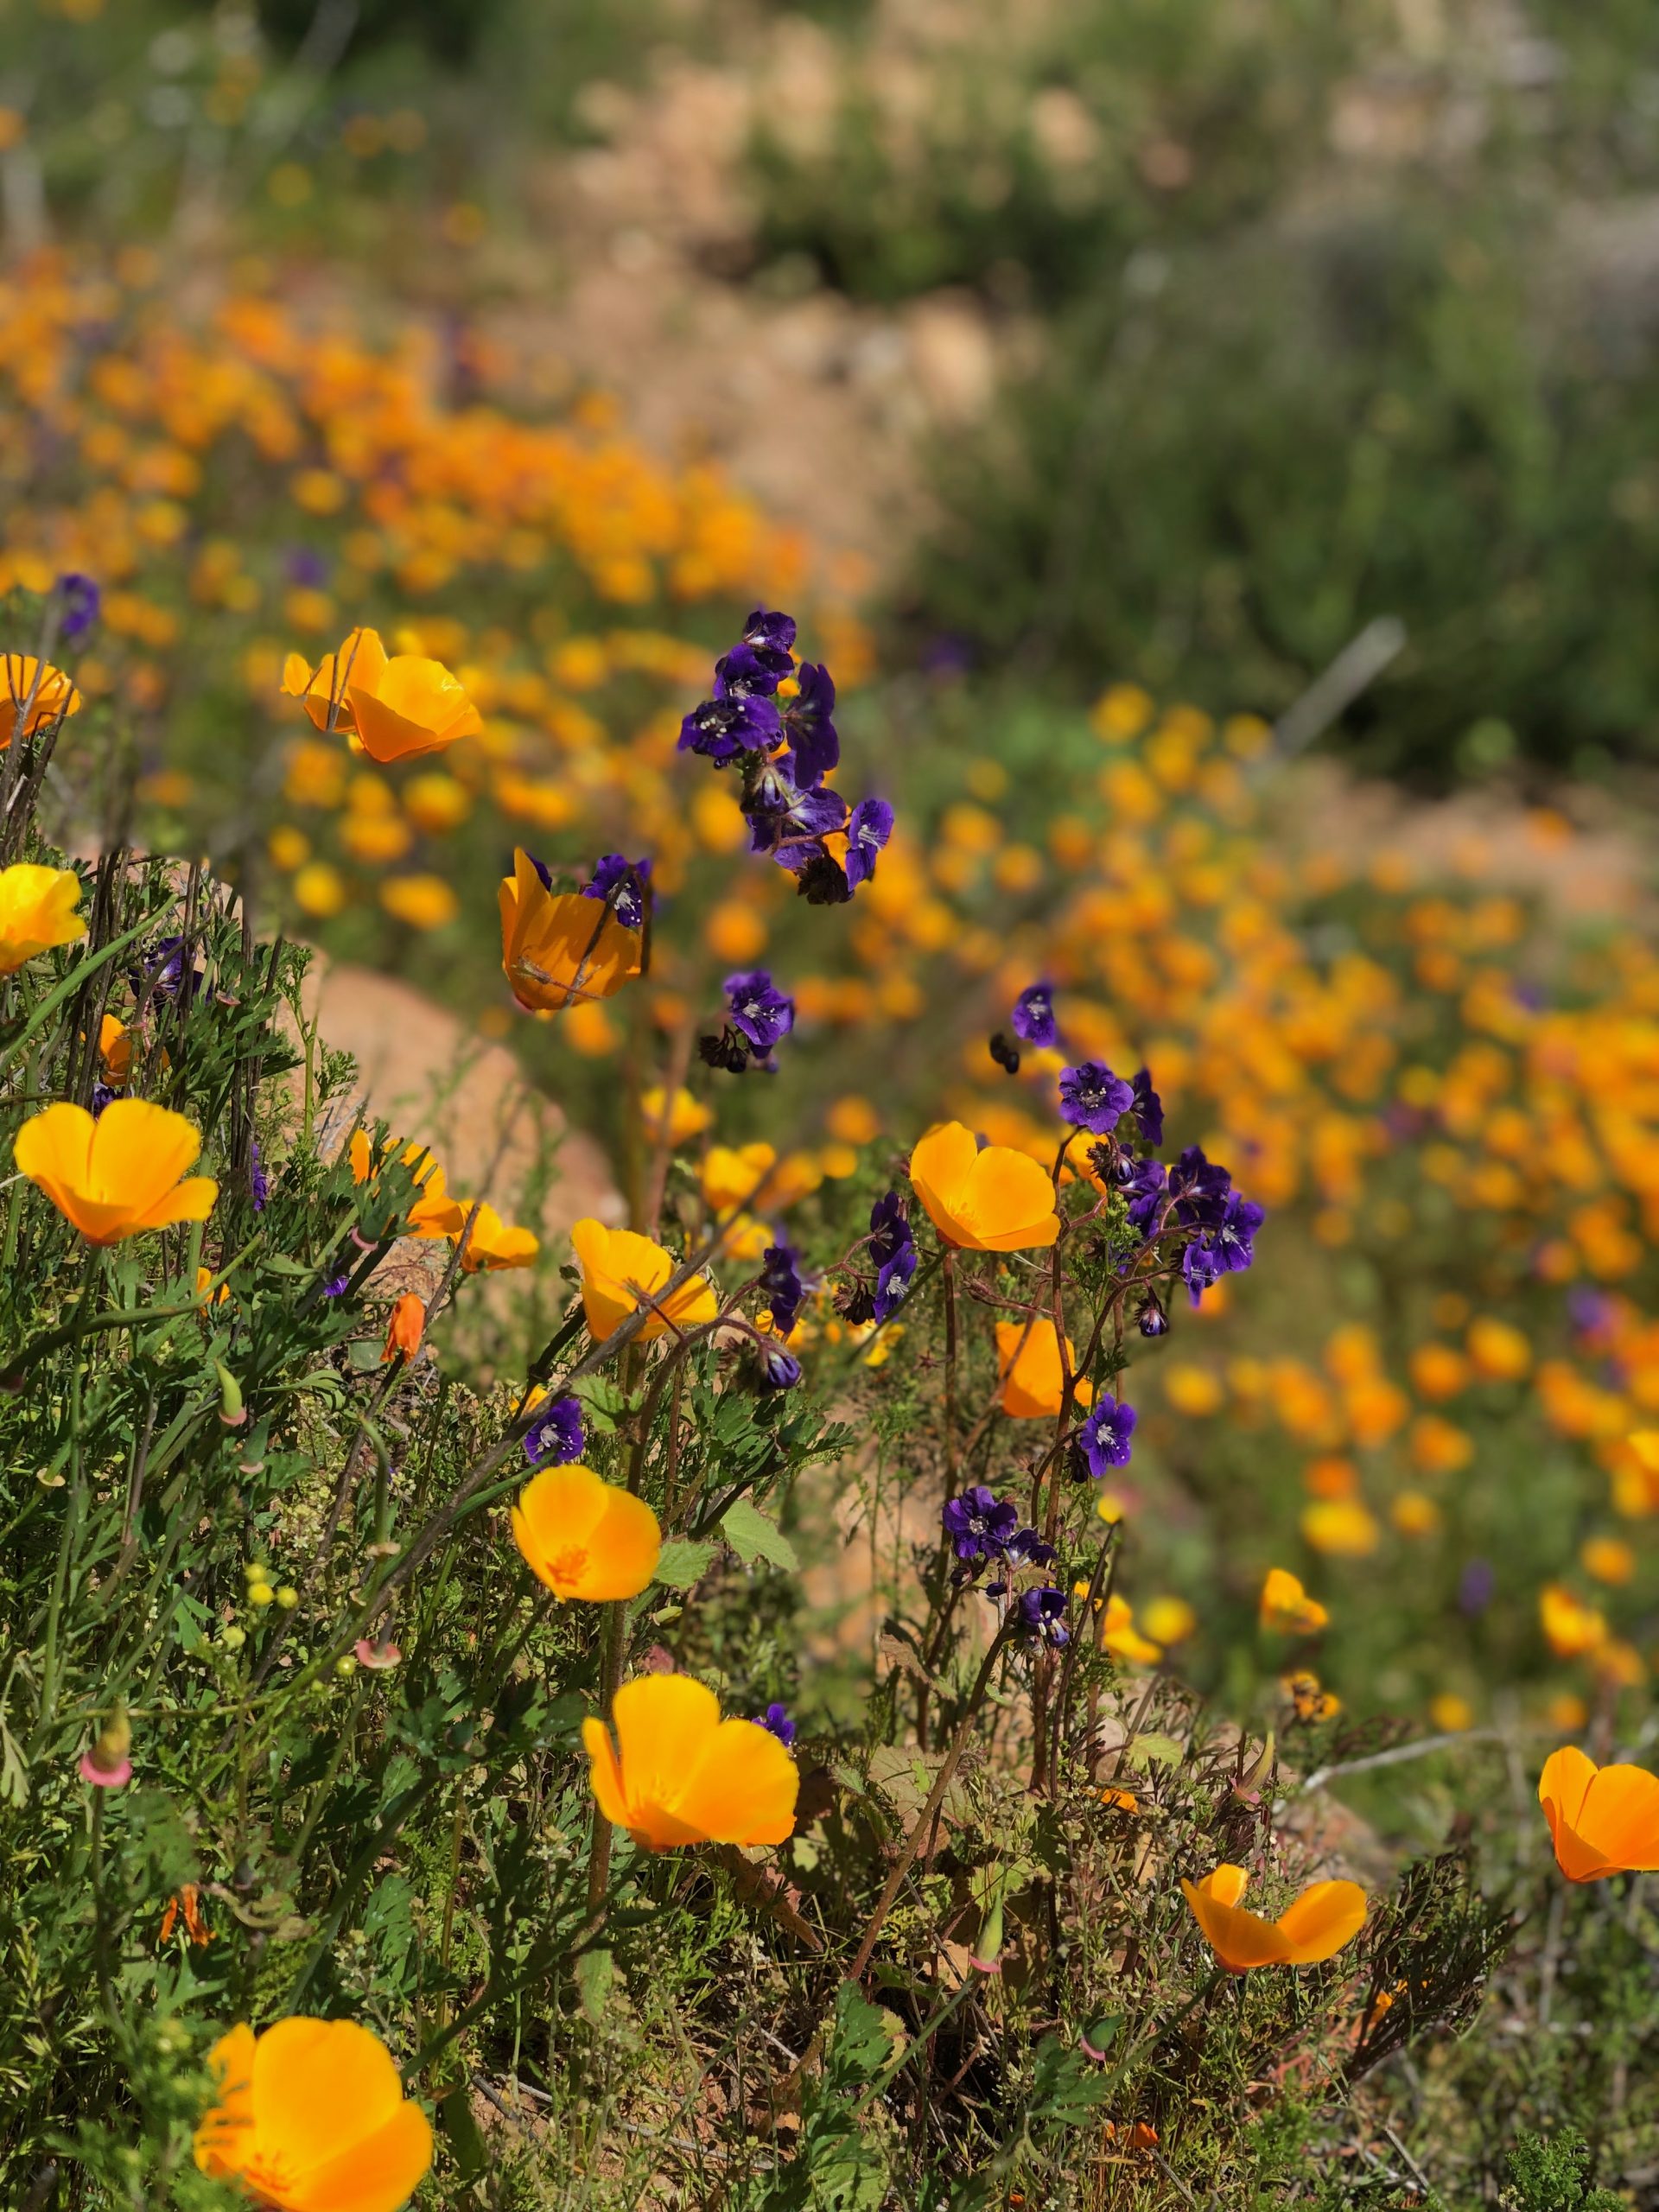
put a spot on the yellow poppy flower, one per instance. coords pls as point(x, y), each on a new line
point(733, 1174)
point(392, 708)
point(1571, 1628)
point(676, 1773)
point(119, 1175)
point(991, 1201)
point(37, 909)
point(1032, 1384)
point(115, 1049)
point(617, 1266)
point(1119, 1636)
point(54, 695)
point(672, 1121)
point(1287, 1608)
point(311, 2117)
point(493, 1244)
point(1602, 1820)
point(559, 949)
point(586, 1538)
point(1326, 1916)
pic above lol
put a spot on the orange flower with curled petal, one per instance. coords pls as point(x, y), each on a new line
point(1602, 1820)
point(1287, 1608)
point(1326, 1916)
point(676, 1773)
point(405, 1328)
point(617, 1266)
point(37, 910)
point(311, 2117)
point(119, 1175)
point(1031, 1379)
point(560, 948)
point(21, 675)
point(492, 1243)
point(393, 708)
point(584, 1537)
point(993, 1200)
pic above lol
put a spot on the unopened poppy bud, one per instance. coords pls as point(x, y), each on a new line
point(106, 1765)
point(232, 1411)
point(405, 1328)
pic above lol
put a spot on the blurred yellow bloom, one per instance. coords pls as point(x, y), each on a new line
point(1497, 1351)
point(1286, 1607)
point(686, 1116)
point(119, 1175)
point(620, 1270)
point(1194, 1391)
point(38, 909)
point(1608, 1558)
point(560, 948)
point(676, 1773)
point(585, 1538)
point(1119, 1636)
point(1571, 1628)
point(1343, 1528)
point(1451, 1714)
point(425, 902)
point(1414, 1514)
point(1168, 1620)
point(733, 1174)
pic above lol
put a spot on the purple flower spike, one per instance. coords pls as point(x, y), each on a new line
point(742, 674)
point(1094, 1098)
point(1033, 1019)
point(812, 736)
point(769, 637)
point(780, 1279)
point(721, 728)
point(1148, 1107)
point(893, 1247)
point(1105, 1436)
point(557, 1436)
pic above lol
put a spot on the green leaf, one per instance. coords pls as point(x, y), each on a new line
point(596, 1971)
point(1067, 2085)
point(682, 1564)
point(752, 1536)
point(862, 2043)
point(455, 2111)
point(1155, 1751)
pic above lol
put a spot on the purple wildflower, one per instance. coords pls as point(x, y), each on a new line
point(780, 1369)
point(776, 1722)
point(893, 1247)
point(1041, 1616)
point(1093, 1097)
point(259, 1181)
point(101, 1096)
point(979, 1524)
point(1154, 1321)
point(81, 600)
point(721, 728)
point(759, 1011)
point(815, 748)
point(769, 637)
point(867, 831)
point(1104, 1438)
point(1226, 1246)
point(1148, 1107)
point(557, 1436)
point(780, 1279)
point(622, 884)
point(1476, 1586)
point(337, 1285)
point(742, 674)
point(1033, 1019)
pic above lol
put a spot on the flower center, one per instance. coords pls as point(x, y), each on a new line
point(567, 1567)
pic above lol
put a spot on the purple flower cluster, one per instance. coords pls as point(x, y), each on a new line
point(981, 1526)
point(781, 1278)
point(759, 1016)
point(893, 1247)
point(1104, 1438)
point(1197, 1195)
point(81, 600)
point(557, 1436)
point(784, 749)
point(776, 1722)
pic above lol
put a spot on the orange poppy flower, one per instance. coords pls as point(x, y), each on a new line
point(1570, 1627)
point(678, 1773)
point(187, 1900)
point(37, 910)
point(405, 1328)
point(1119, 1635)
point(558, 948)
point(115, 1049)
point(993, 1200)
point(54, 695)
point(434, 1212)
point(1602, 1820)
point(311, 2117)
point(1326, 1916)
point(493, 1244)
point(671, 1120)
point(392, 708)
point(1286, 1607)
point(119, 1175)
point(1032, 1383)
point(586, 1538)
point(618, 1267)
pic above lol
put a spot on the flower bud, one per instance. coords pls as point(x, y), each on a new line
point(106, 1765)
point(232, 1411)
